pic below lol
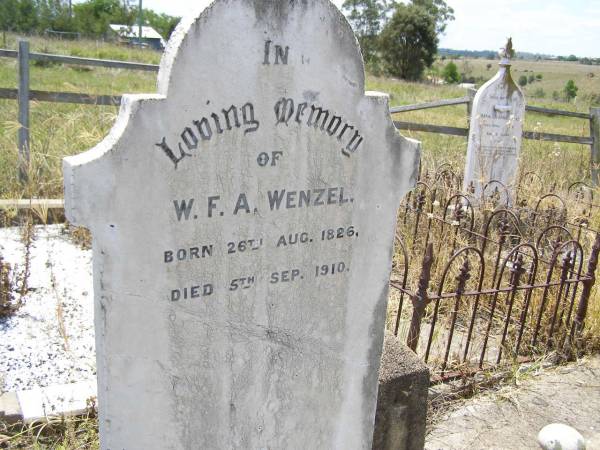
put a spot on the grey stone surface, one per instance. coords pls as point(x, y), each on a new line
point(495, 135)
point(402, 398)
point(243, 222)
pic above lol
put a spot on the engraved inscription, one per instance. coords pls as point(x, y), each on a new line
point(281, 54)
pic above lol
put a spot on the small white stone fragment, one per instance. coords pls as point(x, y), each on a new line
point(558, 436)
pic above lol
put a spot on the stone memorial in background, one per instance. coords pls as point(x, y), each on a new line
point(243, 222)
point(495, 133)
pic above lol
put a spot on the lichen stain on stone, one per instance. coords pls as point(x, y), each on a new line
point(275, 13)
point(310, 96)
point(279, 337)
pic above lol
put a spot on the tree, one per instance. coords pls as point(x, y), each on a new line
point(53, 15)
point(439, 10)
point(450, 73)
point(570, 90)
point(8, 14)
point(488, 66)
point(366, 18)
point(26, 16)
point(539, 77)
point(163, 23)
point(523, 81)
point(94, 16)
point(408, 43)
point(531, 79)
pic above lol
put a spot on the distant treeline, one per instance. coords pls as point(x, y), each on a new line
point(490, 54)
point(90, 18)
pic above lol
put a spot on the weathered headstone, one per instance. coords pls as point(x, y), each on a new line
point(243, 223)
point(495, 133)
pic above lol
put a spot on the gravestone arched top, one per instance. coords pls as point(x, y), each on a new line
point(298, 50)
point(500, 87)
point(275, 32)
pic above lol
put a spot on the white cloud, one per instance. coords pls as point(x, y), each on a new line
point(548, 26)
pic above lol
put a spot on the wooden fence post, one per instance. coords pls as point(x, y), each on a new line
point(471, 94)
point(23, 141)
point(595, 134)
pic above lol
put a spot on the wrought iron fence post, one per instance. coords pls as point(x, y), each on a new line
point(586, 291)
point(463, 276)
point(517, 270)
point(420, 300)
point(23, 100)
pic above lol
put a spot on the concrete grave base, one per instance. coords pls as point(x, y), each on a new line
point(402, 398)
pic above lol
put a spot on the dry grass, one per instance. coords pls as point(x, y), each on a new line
point(66, 433)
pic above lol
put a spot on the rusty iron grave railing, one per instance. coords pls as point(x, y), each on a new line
point(491, 283)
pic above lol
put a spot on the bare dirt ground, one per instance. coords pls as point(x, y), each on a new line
point(511, 417)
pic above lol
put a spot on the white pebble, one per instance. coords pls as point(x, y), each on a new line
point(558, 436)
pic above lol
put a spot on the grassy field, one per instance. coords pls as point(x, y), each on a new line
point(59, 130)
point(568, 160)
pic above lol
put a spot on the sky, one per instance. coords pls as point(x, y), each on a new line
point(555, 27)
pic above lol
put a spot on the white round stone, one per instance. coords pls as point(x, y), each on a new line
point(558, 436)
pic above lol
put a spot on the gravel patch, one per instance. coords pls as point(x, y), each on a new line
point(511, 417)
point(50, 339)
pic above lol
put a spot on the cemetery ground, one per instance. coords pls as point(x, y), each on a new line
point(59, 130)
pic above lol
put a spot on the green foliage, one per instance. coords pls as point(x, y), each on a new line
point(94, 16)
point(90, 17)
point(366, 18)
point(570, 90)
point(26, 18)
point(54, 15)
point(9, 11)
point(375, 32)
point(408, 43)
point(439, 10)
point(539, 93)
point(523, 80)
point(539, 77)
point(450, 73)
point(531, 79)
point(163, 23)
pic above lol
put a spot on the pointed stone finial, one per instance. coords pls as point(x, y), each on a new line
point(507, 53)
